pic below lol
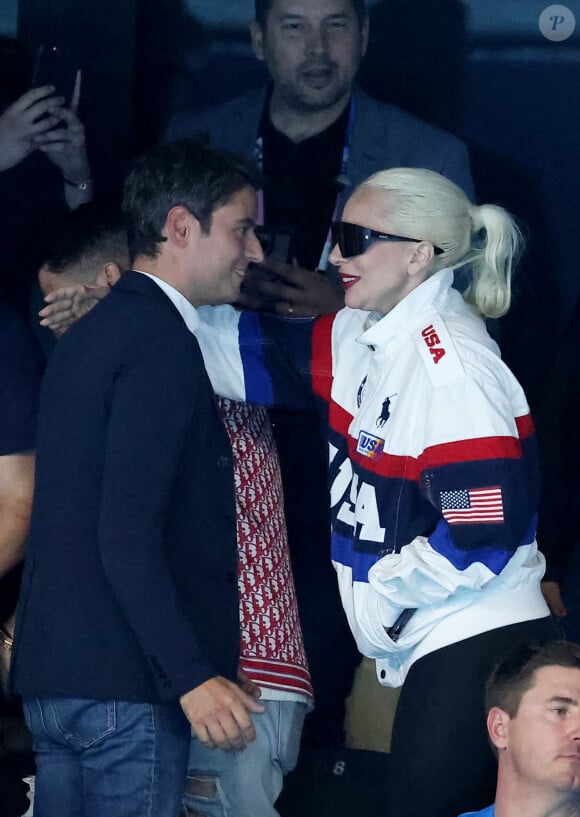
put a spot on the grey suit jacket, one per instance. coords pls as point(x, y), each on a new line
point(384, 136)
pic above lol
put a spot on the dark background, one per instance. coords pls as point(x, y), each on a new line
point(481, 69)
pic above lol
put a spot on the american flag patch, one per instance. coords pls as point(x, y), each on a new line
point(472, 506)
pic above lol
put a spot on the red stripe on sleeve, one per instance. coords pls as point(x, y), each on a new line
point(482, 448)
point(405, 467)
point(321, 363)
point(388, 465)
point(525, 425)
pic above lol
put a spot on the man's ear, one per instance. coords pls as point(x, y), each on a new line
point(498, 727)
point(179, 225)
point(108, 275)
point(45, 279)
point(257, 39)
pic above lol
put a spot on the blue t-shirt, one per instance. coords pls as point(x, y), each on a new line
point(486, 812)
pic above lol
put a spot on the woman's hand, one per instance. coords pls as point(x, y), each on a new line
point(289, 290)
point(553, 597)
point(65, 306)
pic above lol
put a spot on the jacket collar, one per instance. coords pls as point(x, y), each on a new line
point(431, 294)
point(187, 311)
point(247, 110)
point(164, 293)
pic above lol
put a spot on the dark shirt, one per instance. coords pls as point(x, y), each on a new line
point(301, 186)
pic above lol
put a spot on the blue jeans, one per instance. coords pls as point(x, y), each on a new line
point(113, 758)
point(246, 783)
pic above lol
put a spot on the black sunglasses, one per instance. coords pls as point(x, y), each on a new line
point(353, 239)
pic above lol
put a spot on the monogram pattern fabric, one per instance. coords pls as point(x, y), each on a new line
point(272, 649)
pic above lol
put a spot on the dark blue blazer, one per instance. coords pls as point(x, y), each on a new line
point(130, 583)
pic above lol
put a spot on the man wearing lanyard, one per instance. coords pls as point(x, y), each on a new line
point(316, 136)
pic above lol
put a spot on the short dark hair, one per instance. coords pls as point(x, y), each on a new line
point(263, 9)
point(182, 173)
point(514, 674)
point(84, 238)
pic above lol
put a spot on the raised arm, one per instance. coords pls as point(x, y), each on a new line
point(19, 386)
point(16, 489)
point(259, 358)
point(26, 121)
point(65, 146)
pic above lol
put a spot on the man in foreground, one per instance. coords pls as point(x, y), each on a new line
point(82, 260)
point(533, 704)
point(128, 615)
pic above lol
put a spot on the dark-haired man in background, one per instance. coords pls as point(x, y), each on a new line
point(533, 722)
point(88, 247)
point(316, 136)
point(128, 614)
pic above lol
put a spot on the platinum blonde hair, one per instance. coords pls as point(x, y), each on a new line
point(423, 204)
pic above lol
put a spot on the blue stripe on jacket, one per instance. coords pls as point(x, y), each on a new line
point(342, 553)
point(259, 388)
point(492, 557)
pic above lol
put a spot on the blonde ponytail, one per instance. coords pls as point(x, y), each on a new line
point(496, 243)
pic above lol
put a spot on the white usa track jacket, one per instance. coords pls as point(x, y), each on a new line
point(432, 463)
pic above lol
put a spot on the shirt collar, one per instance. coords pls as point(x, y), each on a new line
point(187, 311)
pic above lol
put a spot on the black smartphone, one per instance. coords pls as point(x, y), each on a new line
point(276, 244)
point(50, 68)
point(394, 632)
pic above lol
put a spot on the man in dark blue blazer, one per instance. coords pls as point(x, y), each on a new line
point(127, 630)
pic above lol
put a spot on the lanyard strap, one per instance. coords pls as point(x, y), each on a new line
point(342, 179)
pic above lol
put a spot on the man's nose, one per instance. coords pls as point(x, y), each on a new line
point(254, 252)
point(316, 41)
point(574, 728)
